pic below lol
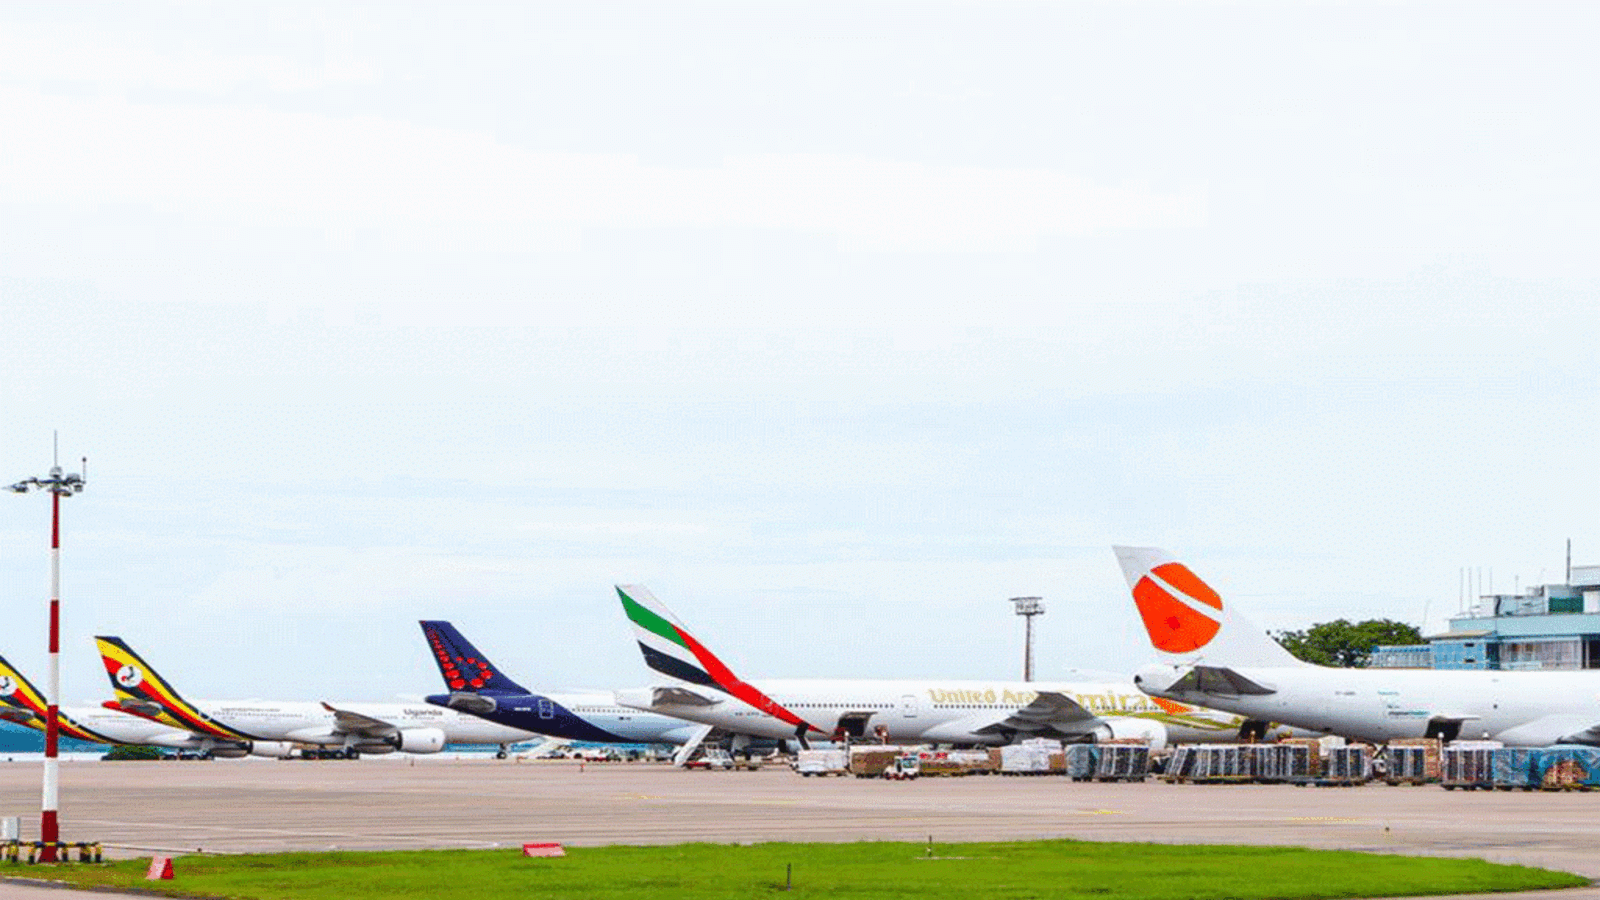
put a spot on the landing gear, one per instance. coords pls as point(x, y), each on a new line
point(505, 751)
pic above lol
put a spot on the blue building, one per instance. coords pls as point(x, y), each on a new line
point(1553, 626)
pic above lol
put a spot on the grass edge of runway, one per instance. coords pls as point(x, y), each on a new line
point(863, 871)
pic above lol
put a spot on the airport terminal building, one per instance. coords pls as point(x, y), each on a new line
point(1552, 626)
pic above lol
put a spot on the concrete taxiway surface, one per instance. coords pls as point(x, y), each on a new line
point(231, 806)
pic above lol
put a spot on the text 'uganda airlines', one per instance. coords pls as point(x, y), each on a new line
point(703, 689)
point(1217, 657)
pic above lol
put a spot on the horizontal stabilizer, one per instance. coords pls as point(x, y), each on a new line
point(17, 714)
point(468, 702)
point(673, 695)
point(1218, 680)
point(146, 708)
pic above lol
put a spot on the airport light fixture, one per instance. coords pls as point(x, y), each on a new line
point(58, 485)
point(1028, 607)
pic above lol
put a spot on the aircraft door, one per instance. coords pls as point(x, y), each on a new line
point(908, 706)
point(547, 710)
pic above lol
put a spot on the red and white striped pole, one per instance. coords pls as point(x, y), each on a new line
point(59, 486)
point(49, 822)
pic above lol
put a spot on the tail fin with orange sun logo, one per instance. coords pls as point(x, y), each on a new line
point(1188, 621)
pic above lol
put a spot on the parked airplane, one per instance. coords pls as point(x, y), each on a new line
point(482, 689)
point(351, 728)
point(1212, 655)
point(895, 711)
point(22, 703)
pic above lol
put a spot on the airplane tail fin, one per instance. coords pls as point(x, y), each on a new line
point(462, 666)
point(144, 693)
point(20, 701)
point(668, 647)
point(1187, 621)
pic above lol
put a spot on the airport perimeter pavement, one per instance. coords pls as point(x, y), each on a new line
point(231, 806)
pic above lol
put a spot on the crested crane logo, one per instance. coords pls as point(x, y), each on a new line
point(130, 676)
point(8, 685)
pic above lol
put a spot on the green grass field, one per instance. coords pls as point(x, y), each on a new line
point(861, 871)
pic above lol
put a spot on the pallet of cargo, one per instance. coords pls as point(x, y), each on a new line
point(1567, 767)
point(1468, 765)
point(1122, 762)
point(1347, 766)
point(1513, 769)
point(1080, 761)
point(1412, 761)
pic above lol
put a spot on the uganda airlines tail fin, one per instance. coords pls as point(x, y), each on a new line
point(670, 649)
point(461, 665)
point(1187, 621)
point(140, 691)
point(20, 701)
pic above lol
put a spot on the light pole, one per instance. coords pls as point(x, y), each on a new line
point(1028, 607)
point(58, 485)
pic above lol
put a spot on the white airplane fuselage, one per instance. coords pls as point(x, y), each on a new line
point(122, 728)
point(1379, 705)
point(313, 723)
point(938, 711)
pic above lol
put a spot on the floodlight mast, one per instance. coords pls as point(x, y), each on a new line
point(1028, 607)
point(58, 485)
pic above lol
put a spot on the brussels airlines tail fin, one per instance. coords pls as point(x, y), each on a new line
point(670, 649)
point(141, 691)
point(461, 665)
point(1187, 621)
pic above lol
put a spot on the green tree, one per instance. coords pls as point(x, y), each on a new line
point(1345, 643)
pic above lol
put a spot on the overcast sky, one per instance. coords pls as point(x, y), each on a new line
point(835, 324)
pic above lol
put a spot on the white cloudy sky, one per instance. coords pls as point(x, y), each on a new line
point(836, 324)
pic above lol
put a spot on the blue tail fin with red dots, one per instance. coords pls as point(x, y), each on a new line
point(461, 665)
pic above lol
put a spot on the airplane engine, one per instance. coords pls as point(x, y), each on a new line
point(420, 740)
point(1135, 729)
point(274, 749)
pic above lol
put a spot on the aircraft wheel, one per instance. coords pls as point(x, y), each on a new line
point(501, 755)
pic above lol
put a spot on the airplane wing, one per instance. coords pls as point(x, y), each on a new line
point(1051, 714)
point(356, 723)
